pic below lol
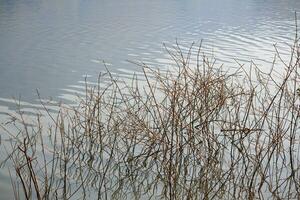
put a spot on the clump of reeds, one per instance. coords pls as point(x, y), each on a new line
point(196, 132)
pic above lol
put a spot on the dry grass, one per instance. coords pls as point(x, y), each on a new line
point(194, 133)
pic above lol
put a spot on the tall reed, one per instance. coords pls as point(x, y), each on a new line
point(196, 132)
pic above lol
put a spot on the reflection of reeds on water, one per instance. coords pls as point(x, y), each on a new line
point(194, 133)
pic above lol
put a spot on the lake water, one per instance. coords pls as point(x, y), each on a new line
point(51, 45)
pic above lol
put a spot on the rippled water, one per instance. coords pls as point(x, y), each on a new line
point(52, 45)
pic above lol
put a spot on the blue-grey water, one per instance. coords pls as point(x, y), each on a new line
point(51, 45)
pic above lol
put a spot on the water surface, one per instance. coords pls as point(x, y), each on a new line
point(52, 45)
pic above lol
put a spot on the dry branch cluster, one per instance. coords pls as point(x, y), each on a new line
point(196, 132)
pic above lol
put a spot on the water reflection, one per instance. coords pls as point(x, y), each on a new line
point(50, 44)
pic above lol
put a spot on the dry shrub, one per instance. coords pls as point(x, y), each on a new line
point(196, 132)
